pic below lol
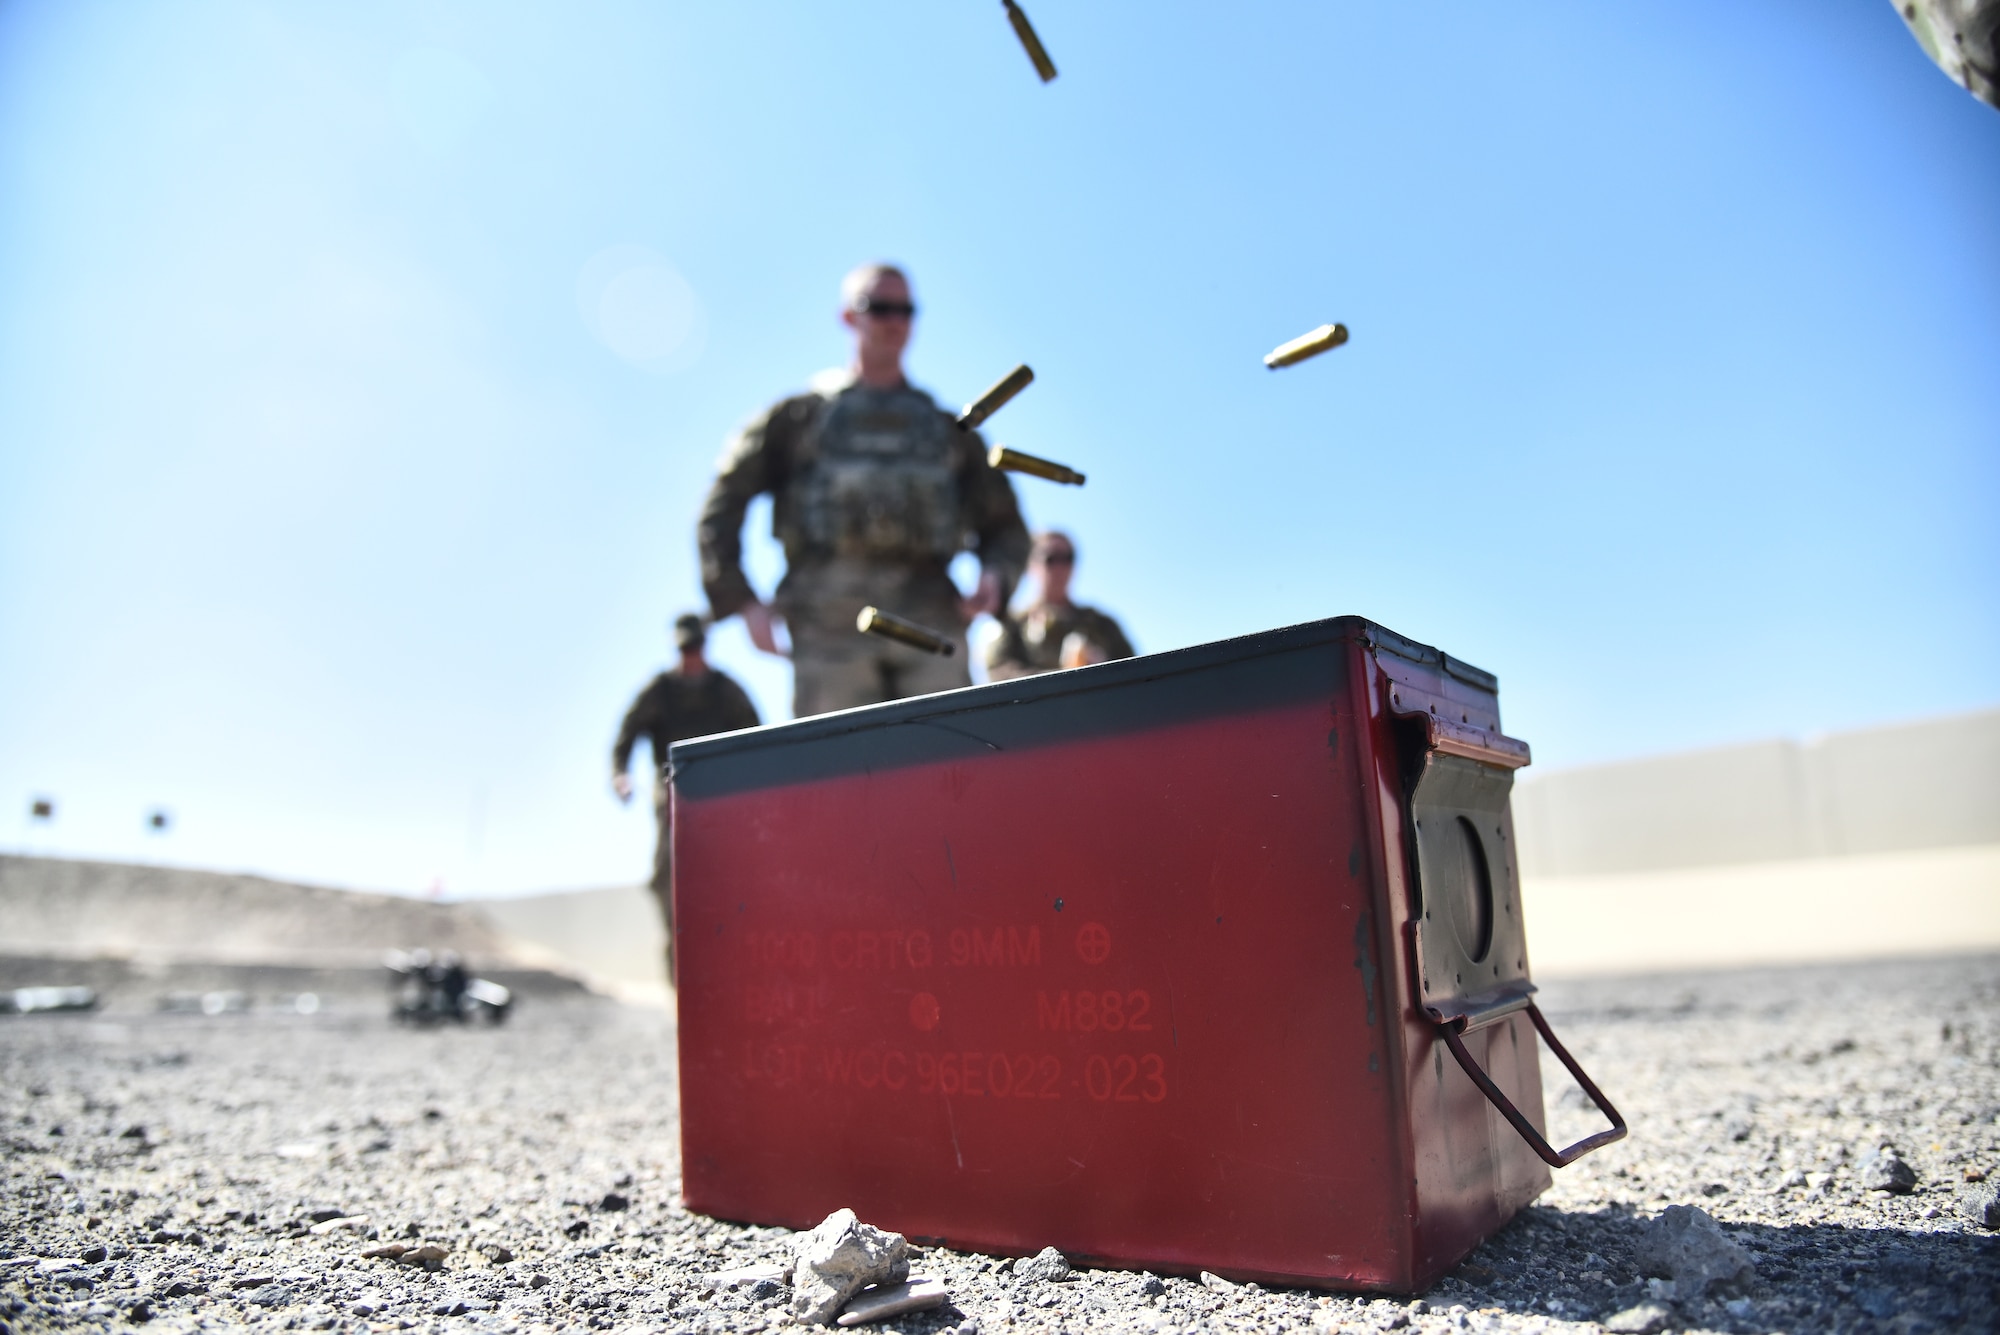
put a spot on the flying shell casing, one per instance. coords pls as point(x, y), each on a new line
point(995, 398)
point(874, 621)
point(1322, 339)
point(1029, 42)
point(1013, 461)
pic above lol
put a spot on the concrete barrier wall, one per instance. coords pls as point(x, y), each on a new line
point(1935, 901)
point(1934, 784)
point(613, 937)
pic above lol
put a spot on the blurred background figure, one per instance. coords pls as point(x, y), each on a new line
point(690, 699)
point(874, 490)
point(1053, 632)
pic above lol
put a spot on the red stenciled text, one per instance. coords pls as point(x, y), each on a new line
point(1002, 947)
point(1031, 1076)
point(880, 950)
point(1110, 1011)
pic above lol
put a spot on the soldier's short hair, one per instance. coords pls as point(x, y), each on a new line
point(855, 286)
point(1045, 537)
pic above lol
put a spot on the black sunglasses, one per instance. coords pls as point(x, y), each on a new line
point(870, 306)
point(1058, 557)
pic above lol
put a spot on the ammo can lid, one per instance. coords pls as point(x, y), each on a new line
point(1240, 675)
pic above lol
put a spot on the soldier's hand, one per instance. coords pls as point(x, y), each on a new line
point(986, 598)
point(621, 784)
point(757, 620)
point(1079, 650)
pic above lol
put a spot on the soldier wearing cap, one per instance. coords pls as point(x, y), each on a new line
point(690, 699)
point(1053, 632)
point(874, 490)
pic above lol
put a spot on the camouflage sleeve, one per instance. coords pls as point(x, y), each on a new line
point(744, 472)
point(1006, 655)
point(736, 706)
point(992, 516)
point(639, 722)
point(1107, 635)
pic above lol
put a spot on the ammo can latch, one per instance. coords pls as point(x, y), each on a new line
point(1466, 934)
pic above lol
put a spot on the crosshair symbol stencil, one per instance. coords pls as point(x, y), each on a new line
point(1093, 943)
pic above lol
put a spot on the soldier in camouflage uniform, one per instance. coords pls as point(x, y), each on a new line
point(1053, 632)
point(874, 490)
point(691, 699)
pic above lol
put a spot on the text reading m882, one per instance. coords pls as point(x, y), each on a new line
point(1088, 1012)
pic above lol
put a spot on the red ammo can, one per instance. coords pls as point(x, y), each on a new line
point(1206, 960)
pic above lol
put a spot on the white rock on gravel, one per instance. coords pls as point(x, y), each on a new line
point(358, 1222)
point(1981, 1204)
point(840, 1258)
point(748, 1274)
point(1645, 1319)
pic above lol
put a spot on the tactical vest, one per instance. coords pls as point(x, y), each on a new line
point(873, 477)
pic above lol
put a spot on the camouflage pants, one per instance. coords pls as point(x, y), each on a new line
point(834, 665)
point(663, 871)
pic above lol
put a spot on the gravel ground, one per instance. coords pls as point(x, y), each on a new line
point(172, 1169)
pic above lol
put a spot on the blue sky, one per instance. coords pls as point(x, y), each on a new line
point(362, 368)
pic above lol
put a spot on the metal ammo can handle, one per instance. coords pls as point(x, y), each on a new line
point(1553, 1157)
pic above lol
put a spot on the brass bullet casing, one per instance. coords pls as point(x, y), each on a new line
point(1029, 42)
point(1322, 339)
point(995, 398)
point(874, 621)
point(1013, 461)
